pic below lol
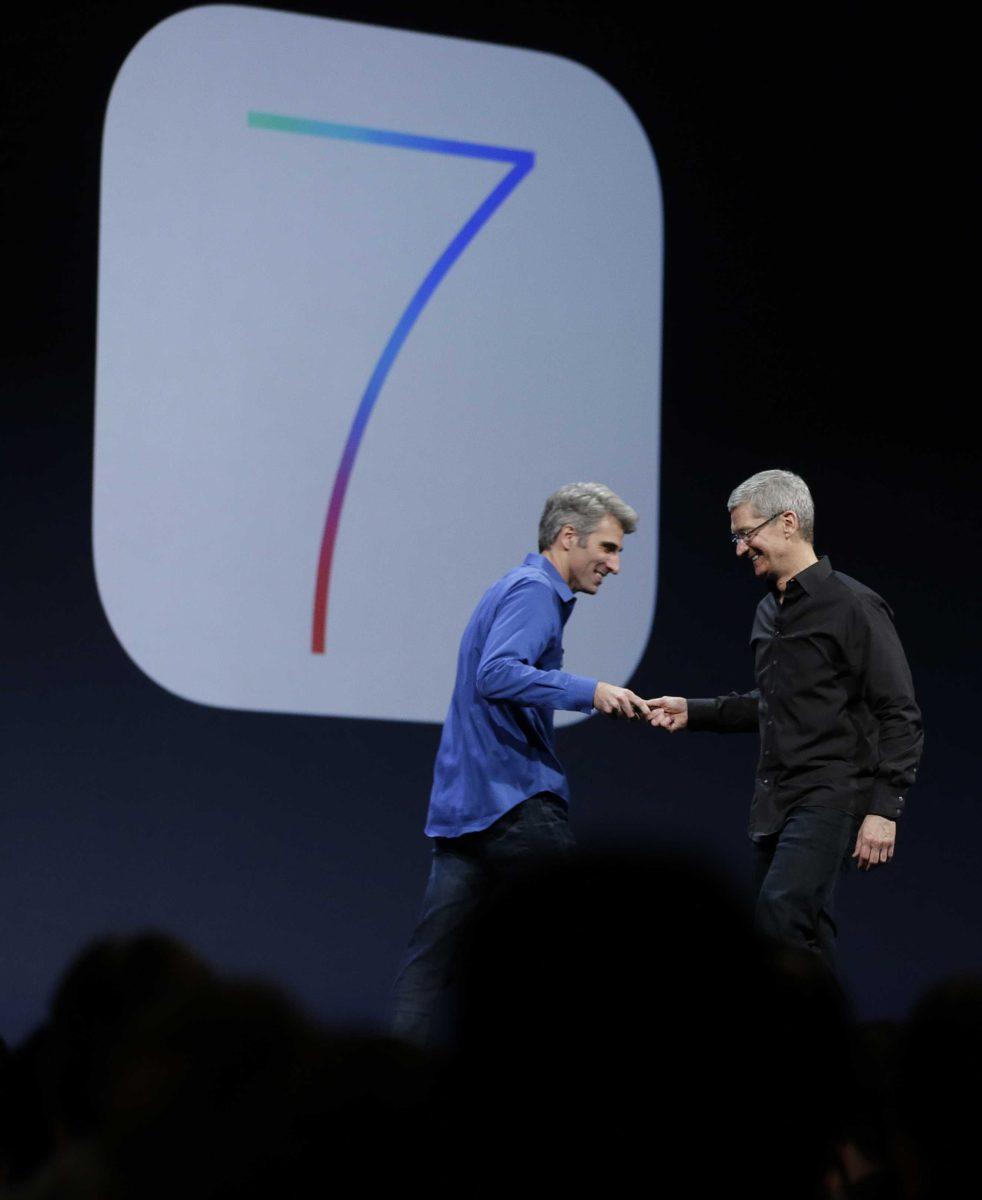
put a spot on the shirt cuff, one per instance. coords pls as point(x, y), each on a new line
point(580, 693)
point(886, 802)
point(701, 714)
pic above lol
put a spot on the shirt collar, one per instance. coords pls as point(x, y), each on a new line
point(559, 585)
point(812, 578)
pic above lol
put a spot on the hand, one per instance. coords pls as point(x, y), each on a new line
point(668, 712)
point(619, 702)
point(875, 841)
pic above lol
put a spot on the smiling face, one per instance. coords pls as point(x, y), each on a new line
point(597, 557)
point(767, 548)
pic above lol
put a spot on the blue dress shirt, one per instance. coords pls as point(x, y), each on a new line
point(497, 746)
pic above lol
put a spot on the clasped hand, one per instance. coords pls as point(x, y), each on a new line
point(619, 702)
point(668, 712)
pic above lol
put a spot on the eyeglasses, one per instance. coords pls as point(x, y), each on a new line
point(744, 535)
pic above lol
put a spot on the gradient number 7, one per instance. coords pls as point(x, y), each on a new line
point(522, 161)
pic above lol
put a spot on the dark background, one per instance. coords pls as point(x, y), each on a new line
point(818, 296)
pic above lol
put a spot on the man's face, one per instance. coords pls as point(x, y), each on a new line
point(600, 555)
point(766, 548)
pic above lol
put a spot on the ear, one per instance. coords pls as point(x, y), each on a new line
point(568, 536)
point(791, 523)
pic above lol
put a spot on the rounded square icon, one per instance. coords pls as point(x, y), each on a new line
point(366, 297)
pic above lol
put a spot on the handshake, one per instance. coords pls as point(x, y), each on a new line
point(664, 712)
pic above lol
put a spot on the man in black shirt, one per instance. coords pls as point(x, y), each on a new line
point(840, 730)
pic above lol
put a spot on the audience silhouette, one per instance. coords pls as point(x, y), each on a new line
point(615, 1022)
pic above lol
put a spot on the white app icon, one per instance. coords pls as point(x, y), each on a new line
point(366, 297)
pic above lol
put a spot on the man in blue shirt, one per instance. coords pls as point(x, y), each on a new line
point(500, 796)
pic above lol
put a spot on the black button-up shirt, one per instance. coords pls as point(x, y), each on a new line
point(834, 703)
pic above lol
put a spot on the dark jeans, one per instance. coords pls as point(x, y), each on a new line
point(464, 873)
point(796, 870)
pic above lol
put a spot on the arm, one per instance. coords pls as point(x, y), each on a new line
point(724, 714)
point(522, 628)
point(889, 691)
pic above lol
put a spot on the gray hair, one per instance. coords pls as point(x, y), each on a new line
point(584, 506)
point(773, 492)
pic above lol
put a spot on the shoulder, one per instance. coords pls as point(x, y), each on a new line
point(524, 600)
point(529, 585)
point(521, 581)
point(862, 600)
point(524, 585)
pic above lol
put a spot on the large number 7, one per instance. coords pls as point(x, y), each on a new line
point(522, 162)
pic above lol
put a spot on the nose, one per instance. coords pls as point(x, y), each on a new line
point(614, 564)
point(741, 547)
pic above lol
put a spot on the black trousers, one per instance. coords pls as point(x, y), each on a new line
point(465, 870)
point(796, 871)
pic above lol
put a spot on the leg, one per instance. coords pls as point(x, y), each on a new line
point(795, 904)
point(464, 871)
point(535, 833)
point(763, 854)
point(456, 885)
